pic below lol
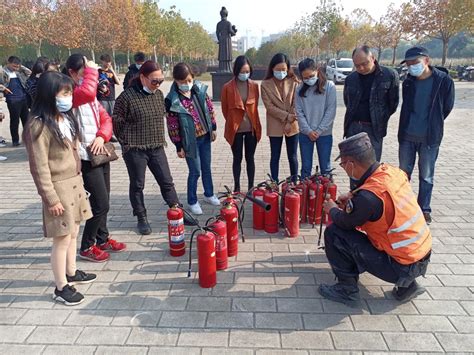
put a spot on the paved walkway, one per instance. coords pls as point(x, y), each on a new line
point(265, 303)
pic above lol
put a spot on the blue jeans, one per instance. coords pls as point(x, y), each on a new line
point(323, 146)
point(291, 152)
point(200, 165)
point(427, 156)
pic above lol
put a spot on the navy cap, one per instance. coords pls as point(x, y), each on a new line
point(354, 145)
point(415, 52)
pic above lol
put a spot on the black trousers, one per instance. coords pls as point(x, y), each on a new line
point(18, 110)
point(137, 160)
point(97, 183)
point(350, 253)
point(249, 141)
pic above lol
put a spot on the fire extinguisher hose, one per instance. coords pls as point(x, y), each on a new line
point(322, 219)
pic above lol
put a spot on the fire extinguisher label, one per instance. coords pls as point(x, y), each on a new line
point(177, 238)
point(311, 193)
point(176, 222)
point(234, 219)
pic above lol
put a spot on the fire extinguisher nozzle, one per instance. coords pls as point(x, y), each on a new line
point(189, 273)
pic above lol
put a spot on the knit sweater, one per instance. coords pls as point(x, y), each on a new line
point(50, 161)
point(138, 119)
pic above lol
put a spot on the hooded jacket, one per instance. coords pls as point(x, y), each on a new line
point(132, 72)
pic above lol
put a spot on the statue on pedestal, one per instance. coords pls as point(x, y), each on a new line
point(224, 31)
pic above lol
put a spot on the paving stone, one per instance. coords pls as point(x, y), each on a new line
point(128, 350)
point(406, 341)
point(174, 351)
point(358, 341)
point(306, 340)
point(136, 318)
point(153, 336)
point(88, 318)
point(391, 307)
point(326, 322)
point(233, 290)
point(15, 333)
point(54, 335)
point(335, 307)
point(226, 351)
point(439, 307)
point(469, 307)
point(18, 349)
point(230, 320)
point(44, 317)
point(206, 337)
point(278, 321)
point(183, 319)
point(69, 349)
point(253, 305)
point(254, 278)
point(11, 315)
point(254, 338)
point(456, 342)
point(376, 322)
point(457, 280)
point(450, 293)
point(122, 302)
point(463, 324)
point(209, 304)
point(104, 335)
point(302, 305)
point(426, 324)
point(165, 303)
point(275, 291)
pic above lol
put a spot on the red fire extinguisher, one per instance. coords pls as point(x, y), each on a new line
point(258, 212)
point(206, 247)
point(332, 192)
point(219, 227)
point(315, 202)
point(271, 217)
point(292, 214)
point(176, 231)
point(302, 190)
point(230, 214)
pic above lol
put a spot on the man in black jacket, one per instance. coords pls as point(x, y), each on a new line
point(371, 96)
point(428, 98)
point(133, 69)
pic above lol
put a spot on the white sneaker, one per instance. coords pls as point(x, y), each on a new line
point(195, 209)
point(2, 145)
point(2, 158)
point(213, 200)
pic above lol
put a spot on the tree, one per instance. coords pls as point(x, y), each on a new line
point(251, 54)
point(67, 21)
point(441, 19)
point(397, 20)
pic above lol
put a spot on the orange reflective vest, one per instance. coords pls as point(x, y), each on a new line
point(401, 231)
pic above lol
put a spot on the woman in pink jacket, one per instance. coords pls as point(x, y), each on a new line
point(95, 129)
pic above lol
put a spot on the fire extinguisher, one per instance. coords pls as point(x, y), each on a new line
point(230, 214)
point(302, 189)
point(218, 226)
point(206, 247)
point(271, 217)
point(315, 202)
point(258, 212)
point(176, 231)
point(292, 214)
point(332, 192)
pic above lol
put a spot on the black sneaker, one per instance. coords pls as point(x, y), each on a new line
point(188, 221)
point(404, 294)
point(347, 294)
point(427, 216)
point(68, 295)
point(80, 278)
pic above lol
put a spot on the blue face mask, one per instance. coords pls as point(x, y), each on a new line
point(244, 76)
point(280, 75)
point(416, 69)
point(64, 104)
point(185, 87)
point(310, 81)
point(138, 66)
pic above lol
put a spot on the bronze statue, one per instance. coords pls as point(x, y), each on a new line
point(224, 31)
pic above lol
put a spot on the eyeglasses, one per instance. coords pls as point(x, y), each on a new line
point(342, 164)
point(156, 81)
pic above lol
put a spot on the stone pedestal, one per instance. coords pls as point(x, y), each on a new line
point(218, 81)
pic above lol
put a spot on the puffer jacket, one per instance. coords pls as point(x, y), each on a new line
point(94, 121)
point(383, 102)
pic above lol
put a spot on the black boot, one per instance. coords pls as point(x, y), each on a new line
point(345, 291)
point(143, 225)
point(404, 294)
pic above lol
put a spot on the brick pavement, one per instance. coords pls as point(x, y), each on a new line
point(265, 303)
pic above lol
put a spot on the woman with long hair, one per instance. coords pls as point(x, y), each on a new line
point(51, 139)
point(278, 95)
point(239, 101)
point(192, 127)
point(316, 111)
point(95, 128)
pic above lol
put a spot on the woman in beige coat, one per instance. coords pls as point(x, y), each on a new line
point(51, 138)
point(278, 93)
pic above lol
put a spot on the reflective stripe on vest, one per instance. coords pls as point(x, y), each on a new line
point(404, 243)
point(407, 224)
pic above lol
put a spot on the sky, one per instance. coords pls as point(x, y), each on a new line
point(254, 18)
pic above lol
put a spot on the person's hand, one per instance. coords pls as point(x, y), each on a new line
point(287, 128)
point(213, 136)
point(90, 64)
point(328, 204)
point(97, 146)
point(56, 210)
point(8, 91)
point(313, 136)
point(181, 154)
point(342, 199)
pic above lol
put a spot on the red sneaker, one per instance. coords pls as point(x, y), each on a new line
point(94, 254)
point(112, 246)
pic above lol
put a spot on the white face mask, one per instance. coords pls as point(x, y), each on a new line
point(148, 90)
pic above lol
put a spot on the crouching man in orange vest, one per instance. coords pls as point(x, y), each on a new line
point(378, 227)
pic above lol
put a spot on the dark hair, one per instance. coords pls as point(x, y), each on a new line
point(44, 107)
point(365, 158)
point(364, 48)
point(240, 61)
point(14, 60)
point(146, 69)
point(40, 66)
point(139, 57)
point(319, 88)
point(277, 59)
point(181, 71)
point(106, 58)
point(75, 62)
